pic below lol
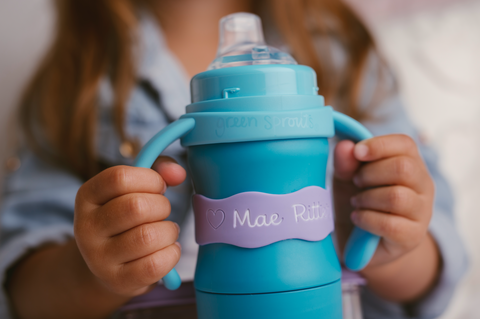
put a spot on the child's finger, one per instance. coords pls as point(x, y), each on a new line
point(398, 200)
point(120, 180)
point(385, 146)
point(398, 170)
point(392, 228)
point(171, 172)
point(142, 241)
point(149, 269)
point(344, 161)
point(128, 211)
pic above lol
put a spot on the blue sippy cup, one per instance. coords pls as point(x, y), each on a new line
point(257, 138)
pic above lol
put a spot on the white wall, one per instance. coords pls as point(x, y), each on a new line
point(434, 47)
point(25, 32)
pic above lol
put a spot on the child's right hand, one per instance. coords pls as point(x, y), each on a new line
point(120, 229)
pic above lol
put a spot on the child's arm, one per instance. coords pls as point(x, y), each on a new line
point(124, 247)
point(393, 194)
point(54, 282)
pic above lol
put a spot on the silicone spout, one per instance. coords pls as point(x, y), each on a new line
point(242, 43)
point(239, 29)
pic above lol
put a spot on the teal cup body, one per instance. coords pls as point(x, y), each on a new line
point(262, 128)
point(227, 274)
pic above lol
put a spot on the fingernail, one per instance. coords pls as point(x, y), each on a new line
point(360, 151)
point(164, 188)
point(354, 216)
point(353, 201)
point(178, 227)
point(178, 244)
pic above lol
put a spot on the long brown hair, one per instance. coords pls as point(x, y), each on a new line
point(94, 39)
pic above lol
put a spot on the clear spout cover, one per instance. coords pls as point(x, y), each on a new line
point(242, 43)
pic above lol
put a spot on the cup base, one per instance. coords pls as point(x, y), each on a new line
point(314, 303)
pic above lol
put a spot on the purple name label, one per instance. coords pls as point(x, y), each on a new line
point(254, 219)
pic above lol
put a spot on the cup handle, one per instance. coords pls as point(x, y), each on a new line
point(147, 157)
point(361, 245)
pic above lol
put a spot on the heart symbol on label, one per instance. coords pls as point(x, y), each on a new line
point(215, 218)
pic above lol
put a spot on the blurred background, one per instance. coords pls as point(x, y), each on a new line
point(432, 45)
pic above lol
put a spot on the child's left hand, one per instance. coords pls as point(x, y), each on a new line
point(387, 185)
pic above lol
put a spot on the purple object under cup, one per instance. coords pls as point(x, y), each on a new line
point(354, 278)
point(161, 296)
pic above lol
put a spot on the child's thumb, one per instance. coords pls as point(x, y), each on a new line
point(172, 173)
point(344, 162)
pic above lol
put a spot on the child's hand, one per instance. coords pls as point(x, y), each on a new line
point(391, 194)
point(119, 226)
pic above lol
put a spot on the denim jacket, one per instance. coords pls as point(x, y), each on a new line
point(38, 201)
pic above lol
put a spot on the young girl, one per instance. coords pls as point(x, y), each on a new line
point(82, 233)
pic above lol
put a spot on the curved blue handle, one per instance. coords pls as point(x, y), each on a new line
point(361, 245)
point(147, 157)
